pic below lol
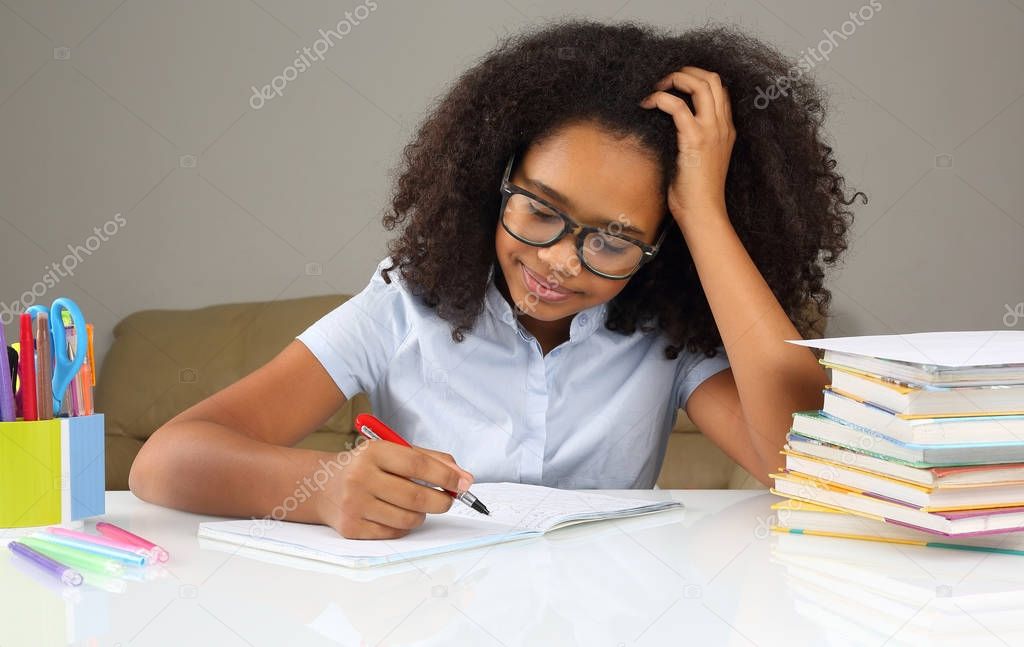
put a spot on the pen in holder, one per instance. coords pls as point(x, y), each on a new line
point(51, 471)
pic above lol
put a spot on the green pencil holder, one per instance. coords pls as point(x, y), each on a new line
point(51, 471)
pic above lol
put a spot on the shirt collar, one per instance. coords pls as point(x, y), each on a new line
point(584, 323)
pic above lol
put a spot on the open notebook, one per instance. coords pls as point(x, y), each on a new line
point(517, 510)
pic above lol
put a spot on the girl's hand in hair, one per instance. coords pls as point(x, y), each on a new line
point(705, 142)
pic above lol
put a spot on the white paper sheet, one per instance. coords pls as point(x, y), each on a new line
point(953, 349)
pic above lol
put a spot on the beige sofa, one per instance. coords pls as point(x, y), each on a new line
point(163, 361)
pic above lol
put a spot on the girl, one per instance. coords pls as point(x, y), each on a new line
point(600, 224)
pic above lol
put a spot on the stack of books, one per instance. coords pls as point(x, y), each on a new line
point(920, 440)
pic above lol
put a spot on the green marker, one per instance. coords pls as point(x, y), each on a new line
point(75, 558)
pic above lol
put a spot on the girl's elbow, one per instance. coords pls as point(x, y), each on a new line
point(139, 475)
point(145, 469)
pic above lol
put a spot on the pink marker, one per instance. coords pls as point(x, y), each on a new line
point(111, 531)
point(101, 540)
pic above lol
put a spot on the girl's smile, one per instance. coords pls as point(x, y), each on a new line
point(545, 291)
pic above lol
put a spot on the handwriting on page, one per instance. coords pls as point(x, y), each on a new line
point(534, 507)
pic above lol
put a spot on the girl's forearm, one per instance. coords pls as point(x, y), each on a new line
point(207, 468)
point(773, 378)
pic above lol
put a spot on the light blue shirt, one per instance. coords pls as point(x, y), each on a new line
point(596, 412)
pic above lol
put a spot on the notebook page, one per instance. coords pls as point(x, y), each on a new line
point(537, 508)
point(517, 511)
point(438, 533)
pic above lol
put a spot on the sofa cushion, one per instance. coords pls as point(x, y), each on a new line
point(164, 361)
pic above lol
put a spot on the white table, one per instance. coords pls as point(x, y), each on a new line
point(709, 575)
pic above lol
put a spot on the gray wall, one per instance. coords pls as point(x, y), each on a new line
point(138, 116)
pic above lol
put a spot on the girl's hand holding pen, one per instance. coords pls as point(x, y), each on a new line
point(372, 497)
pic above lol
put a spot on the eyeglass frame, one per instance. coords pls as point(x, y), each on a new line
point(508, 189)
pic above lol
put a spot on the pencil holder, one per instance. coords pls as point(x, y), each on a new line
point(51, 471)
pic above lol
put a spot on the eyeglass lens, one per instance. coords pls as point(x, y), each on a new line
point(537, 224)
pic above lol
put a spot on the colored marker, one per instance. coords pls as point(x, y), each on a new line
point(92, 355)
point(27, 370)
point(89, 374)
point(12, 359)
point(7, 410)
point(114, 532)
point(74, 401)
point(47, 582)
point(75, 558)
point(123, 556)
point(44, 368)
point(83, 380)
point(67, 576)
point(101, 540)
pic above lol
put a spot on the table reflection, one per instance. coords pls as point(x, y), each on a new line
point(867, 592)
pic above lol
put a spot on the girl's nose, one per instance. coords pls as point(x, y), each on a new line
point(561, 257)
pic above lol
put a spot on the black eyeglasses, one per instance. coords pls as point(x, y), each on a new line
point(605, 251)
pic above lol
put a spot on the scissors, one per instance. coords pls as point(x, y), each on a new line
point(64, 367)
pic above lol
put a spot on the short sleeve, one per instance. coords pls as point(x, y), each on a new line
point(356, 341)
point(694, 368)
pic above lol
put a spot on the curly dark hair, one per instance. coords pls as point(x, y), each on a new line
point(783, 196)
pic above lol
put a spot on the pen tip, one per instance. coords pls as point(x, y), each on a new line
point(480, 507)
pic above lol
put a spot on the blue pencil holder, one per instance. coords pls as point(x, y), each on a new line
point(51, 471)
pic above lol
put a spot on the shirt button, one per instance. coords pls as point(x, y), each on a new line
point(583, 319)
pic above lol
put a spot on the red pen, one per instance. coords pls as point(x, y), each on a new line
point(27, 370)
point(372, 428)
